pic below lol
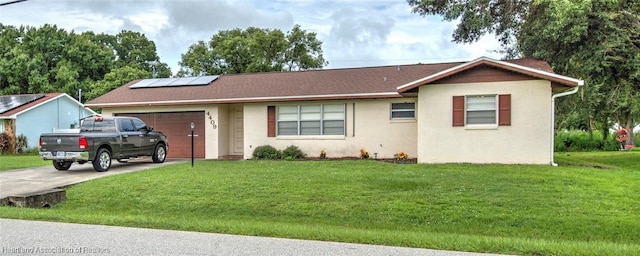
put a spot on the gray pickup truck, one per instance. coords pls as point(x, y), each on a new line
point(102, 139)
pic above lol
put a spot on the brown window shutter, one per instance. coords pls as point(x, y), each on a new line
point(458, 110)
point(271, 121)
point(504, 109)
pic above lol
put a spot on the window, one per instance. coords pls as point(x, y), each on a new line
point(139, 125)
point(99, 126)
point(1, 126)
point(309, 120)
point(126, 125)
point(405, 110)
point(482, 110)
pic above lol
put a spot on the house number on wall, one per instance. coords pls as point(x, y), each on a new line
point(211, 121)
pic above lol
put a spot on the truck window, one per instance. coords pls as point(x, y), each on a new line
point(139, 125)
point(126, 125)
point(89, 125)
point(105, 126)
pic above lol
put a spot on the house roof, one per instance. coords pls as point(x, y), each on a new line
point(28, 105)
point(349, 83)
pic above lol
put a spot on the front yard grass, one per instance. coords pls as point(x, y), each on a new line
point(590, 205)
point(12, 162)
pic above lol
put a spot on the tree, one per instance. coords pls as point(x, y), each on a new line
point(29, 54)
point(49, 59)
point(135, 49)
point(598, 41)
point(114, 79)
point(253, 50)
point(479, 17)
point(304, 50)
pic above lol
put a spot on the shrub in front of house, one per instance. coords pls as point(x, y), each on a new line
point(5, 143)
point(21, 143)
point(292, 152)
point(266, 152)
point(576, 140)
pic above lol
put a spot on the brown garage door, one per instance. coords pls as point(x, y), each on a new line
point(175, 125)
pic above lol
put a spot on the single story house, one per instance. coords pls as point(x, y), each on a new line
point(33, 114)
point(480, 111)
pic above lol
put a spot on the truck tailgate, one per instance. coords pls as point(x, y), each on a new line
point(60, 142)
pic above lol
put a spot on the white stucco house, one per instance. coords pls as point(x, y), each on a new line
point(480, 111)
point(33, 114)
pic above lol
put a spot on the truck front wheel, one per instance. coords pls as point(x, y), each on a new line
point(159, 154)
point(102, 161)
point(62, 166)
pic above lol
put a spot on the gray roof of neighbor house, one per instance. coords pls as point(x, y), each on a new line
point(348, 83)
point(23, 102)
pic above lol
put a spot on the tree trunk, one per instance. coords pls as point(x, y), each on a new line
point(630, 139)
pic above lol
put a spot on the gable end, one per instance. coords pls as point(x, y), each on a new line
point(483, 74)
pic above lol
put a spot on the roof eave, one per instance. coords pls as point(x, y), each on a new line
point(249, 100)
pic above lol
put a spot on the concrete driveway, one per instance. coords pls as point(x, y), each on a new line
point(36, 179)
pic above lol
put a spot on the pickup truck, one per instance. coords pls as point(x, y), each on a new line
point(101, 139)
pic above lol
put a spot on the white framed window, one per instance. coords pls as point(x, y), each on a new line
point(1, 125)
point(405, 110)
point(481, 110)
point(311, 120)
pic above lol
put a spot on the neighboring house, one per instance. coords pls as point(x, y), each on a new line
point(33, 114)
point(481, 111)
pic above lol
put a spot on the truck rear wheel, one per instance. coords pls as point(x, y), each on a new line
point(62, 166)
point(102, 161)
point(160, 154)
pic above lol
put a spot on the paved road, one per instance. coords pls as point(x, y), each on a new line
point(42, 238)
point(46, 177)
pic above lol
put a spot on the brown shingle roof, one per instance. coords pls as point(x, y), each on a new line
point(370, 82)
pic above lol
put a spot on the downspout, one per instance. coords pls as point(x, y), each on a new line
point(553, 117)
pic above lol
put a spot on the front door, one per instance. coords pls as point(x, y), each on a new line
point(237, 130)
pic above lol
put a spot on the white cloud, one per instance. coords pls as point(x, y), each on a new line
point(354, 32)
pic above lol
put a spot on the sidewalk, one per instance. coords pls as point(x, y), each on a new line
point(20, 236)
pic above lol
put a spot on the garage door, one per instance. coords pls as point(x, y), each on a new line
point(175, 125)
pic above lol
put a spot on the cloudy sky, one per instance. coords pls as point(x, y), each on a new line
point(355, 33)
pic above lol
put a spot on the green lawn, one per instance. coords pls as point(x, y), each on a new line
point(12, 162)
point(590, 205)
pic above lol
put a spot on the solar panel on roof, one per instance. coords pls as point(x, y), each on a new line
point(183, 80)
point(204, 80)
point(143, 83)
point(175, 82)
point(10, 102)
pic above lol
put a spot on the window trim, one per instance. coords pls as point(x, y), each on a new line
point(391, 111)
point(299, 120)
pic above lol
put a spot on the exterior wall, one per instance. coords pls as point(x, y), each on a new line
point(526, 141)
point(223, 122)
point(212, 147)
point(368, 126)
point(59, 113)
